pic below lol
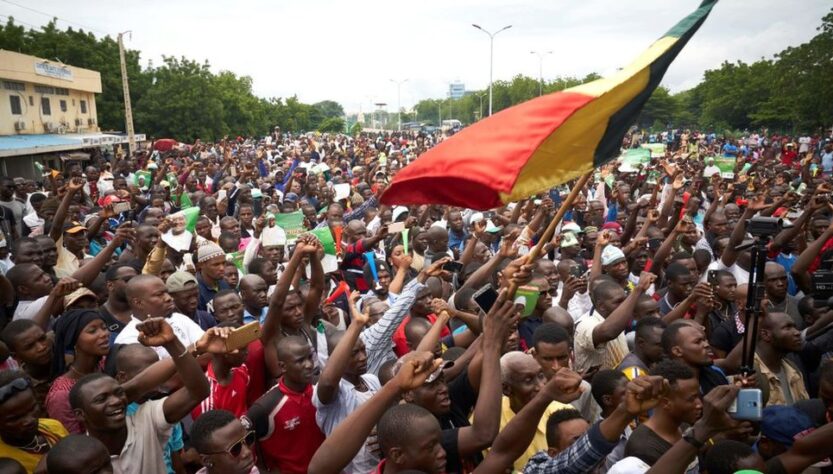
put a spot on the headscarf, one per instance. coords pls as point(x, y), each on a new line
point(67, 329)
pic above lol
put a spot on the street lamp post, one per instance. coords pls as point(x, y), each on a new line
point(491, 56)
point(540, 69)
point(399, 100)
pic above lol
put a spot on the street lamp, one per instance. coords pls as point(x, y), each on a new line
point(399, 100)
point(540, 69)
point(491, 56)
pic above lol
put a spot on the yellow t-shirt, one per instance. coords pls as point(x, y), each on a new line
point(51, 429)
point(539, 441)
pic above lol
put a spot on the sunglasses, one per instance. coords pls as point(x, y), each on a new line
point(235, 449)
point(12, 388)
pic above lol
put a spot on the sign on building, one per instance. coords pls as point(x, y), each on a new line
point(50, 70)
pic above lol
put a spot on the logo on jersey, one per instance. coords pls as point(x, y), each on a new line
point(292, 423)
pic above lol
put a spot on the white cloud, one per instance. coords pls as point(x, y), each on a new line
point(348, 51)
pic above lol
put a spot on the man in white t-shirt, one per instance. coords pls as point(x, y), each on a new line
point(149, 298)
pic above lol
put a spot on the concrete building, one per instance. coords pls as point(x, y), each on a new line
point(46, 108)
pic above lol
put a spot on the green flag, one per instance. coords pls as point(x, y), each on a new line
point(142, 179)
point(191, 215)
point(330, 260)
point(292, 223)
point(237, 259)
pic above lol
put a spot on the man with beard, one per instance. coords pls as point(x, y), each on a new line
point(685, 340)
point(149, 298)
point(116, 310)
point(779, 337)
point(50, 254)
point(681, 404)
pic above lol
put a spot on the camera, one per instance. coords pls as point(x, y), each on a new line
point(764, 226)
point(823, 284)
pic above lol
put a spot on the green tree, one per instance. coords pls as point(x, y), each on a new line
point(332, 124)
point(184, 102)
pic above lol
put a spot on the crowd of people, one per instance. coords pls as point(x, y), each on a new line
point(389, 339)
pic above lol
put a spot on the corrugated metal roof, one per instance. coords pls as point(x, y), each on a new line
point(15, 145)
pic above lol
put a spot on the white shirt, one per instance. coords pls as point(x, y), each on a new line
point(187, 331)
point(147, 432)
point(28, 309)
point(346, 401)
point(579, 305)
point(741, 275)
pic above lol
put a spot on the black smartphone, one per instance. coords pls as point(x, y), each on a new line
point(654, 244)
point(485, 298)
point(712, 278)
point(453, 267)
point(576, 271)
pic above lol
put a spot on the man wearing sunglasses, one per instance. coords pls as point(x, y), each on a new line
point(224, 444)
point(23, 436)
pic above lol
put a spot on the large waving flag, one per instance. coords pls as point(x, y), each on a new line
point(528, 148)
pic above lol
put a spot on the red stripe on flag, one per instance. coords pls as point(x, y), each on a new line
point(471, 168)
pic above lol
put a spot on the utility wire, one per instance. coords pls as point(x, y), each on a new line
point(55, 17)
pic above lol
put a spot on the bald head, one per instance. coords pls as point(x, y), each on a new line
point(560, 316)
point(290, 345)
point(140, 284)
point(415, 331)
point(132, 359)
point(250, 282)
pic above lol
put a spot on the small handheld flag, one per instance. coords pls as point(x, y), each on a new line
point(371, 261)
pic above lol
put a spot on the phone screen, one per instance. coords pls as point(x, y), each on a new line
point(485, 298)
point(453, 267)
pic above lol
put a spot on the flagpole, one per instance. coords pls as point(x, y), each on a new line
point(550, 230)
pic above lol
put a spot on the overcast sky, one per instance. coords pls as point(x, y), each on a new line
point(349, 51)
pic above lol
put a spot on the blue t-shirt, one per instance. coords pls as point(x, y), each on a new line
point(730, 150)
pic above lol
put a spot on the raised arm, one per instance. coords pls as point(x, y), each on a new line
point(350, 435)
point(517, 435)
point(339, 359)
point(316, 281)
point(88, 272)
point(57, 229)
point(156, 332)
point(486, 417)
point(618, 320)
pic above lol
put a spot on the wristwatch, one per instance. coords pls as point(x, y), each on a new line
point(688, 437)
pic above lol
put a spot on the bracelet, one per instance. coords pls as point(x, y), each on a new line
point(188, 350)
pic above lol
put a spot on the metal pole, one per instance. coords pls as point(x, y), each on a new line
point(399, 99)
point(491, 57)
point(491, 66)
point(128, 111)
point(540, 70)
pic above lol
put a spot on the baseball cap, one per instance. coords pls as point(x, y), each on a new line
point(73, 227)
point(568, 239)
point(571, 227)
point(76, 295)
point(782, 423)
point(291, 197)
point(179, 281)
point(612, 254)
point(431, 378)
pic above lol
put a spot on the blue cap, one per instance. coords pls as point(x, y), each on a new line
point(782, 423)
point(291, 197)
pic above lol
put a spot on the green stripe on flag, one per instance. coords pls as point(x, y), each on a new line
point(326, 238)
point(192, 214)
point(292, 223)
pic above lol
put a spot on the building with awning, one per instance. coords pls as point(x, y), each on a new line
point(47, 113)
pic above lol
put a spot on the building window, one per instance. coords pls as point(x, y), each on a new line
point(14, 86)
point(61, 91)
point(44, 89)
point(31, 101)
point(45, 106)
point(83, 106)
point(16, 108)
point(63, 106)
